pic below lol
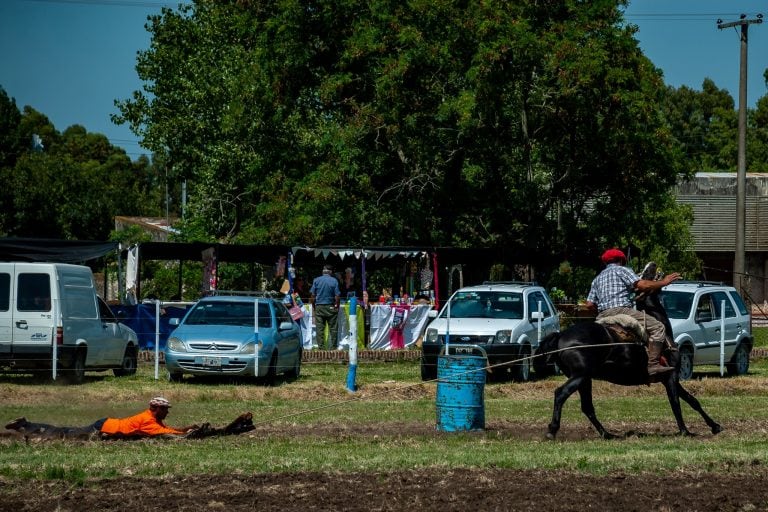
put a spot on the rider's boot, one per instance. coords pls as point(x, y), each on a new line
point(655, 369)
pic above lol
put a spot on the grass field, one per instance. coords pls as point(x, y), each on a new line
point(314, 424)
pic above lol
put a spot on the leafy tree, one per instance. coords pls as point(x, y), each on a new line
point(10, 138)
point(523, 124)
point(70, 185)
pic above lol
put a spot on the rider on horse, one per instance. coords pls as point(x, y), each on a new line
point(611, 294)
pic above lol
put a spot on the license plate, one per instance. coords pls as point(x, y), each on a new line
point(212, 362)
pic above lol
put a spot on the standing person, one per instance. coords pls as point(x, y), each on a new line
point(324, 295)
point(611, 293)
point(145, 424)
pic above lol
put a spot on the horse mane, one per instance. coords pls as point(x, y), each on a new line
point(624, 323)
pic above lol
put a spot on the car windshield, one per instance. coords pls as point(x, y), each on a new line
point(485, 305)
point(228, 313)
point(676, 304)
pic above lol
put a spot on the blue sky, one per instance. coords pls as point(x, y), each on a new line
point(70, 59)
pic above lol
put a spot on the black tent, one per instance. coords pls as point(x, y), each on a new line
point(52, 250)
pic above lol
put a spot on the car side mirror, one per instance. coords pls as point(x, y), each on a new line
point(432, 313)
point(174, 321)
point(285, 325)
point(536, 315)
point(703, 316)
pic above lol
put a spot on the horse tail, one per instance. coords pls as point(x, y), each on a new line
point(544, 360)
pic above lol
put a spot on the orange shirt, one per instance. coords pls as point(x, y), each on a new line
point(142, 424)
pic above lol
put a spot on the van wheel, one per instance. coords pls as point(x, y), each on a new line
point(75, 374)
point(130, 362)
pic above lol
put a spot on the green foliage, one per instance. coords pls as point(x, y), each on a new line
point(72, 185)
point(487, 124)
point(572, 283)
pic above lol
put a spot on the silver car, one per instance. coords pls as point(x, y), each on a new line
point(706, 318)
point(235, 336)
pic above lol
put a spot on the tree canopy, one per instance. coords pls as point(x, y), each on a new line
point(66, 185)
point(523, 124)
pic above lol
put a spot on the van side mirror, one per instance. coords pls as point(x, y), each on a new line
point(536, 315)
point(174, 321)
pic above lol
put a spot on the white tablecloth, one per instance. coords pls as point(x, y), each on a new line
point(381, 324)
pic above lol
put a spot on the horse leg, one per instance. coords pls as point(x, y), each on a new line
point(696, 406)
point(588, 408)
point(561, 395)
point(672, 385)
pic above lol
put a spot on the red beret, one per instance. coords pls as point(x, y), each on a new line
point(613, 254)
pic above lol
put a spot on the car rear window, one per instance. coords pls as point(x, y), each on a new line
point(228, 313)
point(739, 302)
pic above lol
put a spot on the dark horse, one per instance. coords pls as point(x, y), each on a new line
point(590, 350)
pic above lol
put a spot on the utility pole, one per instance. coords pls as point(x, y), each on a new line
point(741, 171)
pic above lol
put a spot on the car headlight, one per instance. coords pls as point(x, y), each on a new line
point(431, 335)
point(248, 348)
point(176, 345)
point(504, 336)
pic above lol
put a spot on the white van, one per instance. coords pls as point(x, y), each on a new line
point(49, 309)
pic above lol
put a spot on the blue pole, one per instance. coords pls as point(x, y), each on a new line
point(352, 371)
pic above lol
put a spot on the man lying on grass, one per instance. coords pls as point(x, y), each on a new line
point(148, 423)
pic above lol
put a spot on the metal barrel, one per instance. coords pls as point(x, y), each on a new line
point(460, 401)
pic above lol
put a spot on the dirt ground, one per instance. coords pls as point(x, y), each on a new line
point(495, 489)
point(728, 489)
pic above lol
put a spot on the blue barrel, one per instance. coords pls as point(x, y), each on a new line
point(460, 398)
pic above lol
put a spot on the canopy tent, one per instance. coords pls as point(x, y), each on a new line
point(52, 250)
point(371, 257)
point(210, 253)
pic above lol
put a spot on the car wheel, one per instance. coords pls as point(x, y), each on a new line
point(175, 376)
point(295, 372)
point(739, 364)
point(522, 369)
point(686, 364)
point(75, 374)
point(428, 371)
point(130, 362)
point(271, 376)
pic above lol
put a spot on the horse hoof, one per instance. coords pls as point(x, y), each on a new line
point(716, 429)
point(550, 436)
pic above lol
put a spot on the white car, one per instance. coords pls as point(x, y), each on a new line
point(506, 320)
point(695, 312)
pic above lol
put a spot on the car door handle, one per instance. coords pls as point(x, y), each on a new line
point(21, 324)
